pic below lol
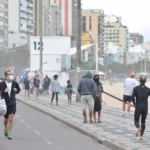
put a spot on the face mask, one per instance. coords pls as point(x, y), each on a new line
point(11, 77)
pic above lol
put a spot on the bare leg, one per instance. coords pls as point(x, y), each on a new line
point(5, 123)
point(94, 114)
point(90, 114)
point(99, 115)
point(84, 115)
point(10, 123)
point(129, 106)
point(124, 107)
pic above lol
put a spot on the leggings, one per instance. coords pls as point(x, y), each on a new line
point(143, 113)
point(53, 94)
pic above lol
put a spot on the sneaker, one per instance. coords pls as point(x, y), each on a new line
point(5, 132)
point(9, 137)
point(85, 121)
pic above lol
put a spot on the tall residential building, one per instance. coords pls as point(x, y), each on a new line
point(118, 34)
point(93, 22)
point(20, 17)
point(137, 38)
point(68, 15)
point(3, 24)
point(56, 27)
point(46, 17)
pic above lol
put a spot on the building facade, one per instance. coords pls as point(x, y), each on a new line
point(118, 34)
point(93, 22)
point(56, 27)
point(137, 38)
point(21, 18)
point(3, 24)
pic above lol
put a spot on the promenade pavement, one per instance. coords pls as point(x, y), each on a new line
point(116, 132)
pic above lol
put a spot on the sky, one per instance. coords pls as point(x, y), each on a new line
point(135, 13)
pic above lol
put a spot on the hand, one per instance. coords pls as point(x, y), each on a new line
point(6, 90)
point(15, 90)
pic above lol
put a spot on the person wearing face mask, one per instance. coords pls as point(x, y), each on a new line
point(141, 93)
point(36, 83)
point(97, 98)
point(9, 89)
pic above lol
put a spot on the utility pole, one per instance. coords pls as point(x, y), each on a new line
point(41, 40)
point(78, 53)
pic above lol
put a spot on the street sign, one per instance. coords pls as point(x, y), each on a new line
point(57, 60)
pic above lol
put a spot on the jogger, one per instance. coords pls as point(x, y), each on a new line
point(141, 94)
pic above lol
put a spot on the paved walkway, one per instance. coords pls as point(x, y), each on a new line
point(116, 132)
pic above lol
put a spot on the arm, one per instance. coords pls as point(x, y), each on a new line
point(94, 88)
point(133, 96)
point(18, 88)
point(79, 88)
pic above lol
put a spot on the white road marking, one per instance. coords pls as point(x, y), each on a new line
point(22, 120)
point(17, 116)
point(48, 142)
point(28, 126)
point(37, 132)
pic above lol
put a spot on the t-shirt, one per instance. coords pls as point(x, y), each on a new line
point(129, 85)
point(37, 83)
point(9, 85)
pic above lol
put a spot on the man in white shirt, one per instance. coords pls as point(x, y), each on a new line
point(129, 85)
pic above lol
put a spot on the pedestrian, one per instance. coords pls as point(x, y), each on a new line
point(55, 86)
point(129, 85)
point(87, 89)
point(36, 83)
point(98, 98)
point(9, 90)
point(69, 91)
point(46, 85)
point(141, 93)
point(27, 87)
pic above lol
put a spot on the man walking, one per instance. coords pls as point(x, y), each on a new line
point(46, 85)
point(9, 89)
point(55, 89)
point(87, 89)
point(129, 85)
point(141, 94)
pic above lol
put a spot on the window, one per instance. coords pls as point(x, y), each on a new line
point(84, 23)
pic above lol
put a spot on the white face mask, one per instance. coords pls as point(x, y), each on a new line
point(11, 77)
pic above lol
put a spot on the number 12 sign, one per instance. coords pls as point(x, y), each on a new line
point(37, 45)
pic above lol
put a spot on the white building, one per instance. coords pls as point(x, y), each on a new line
point(20, 17)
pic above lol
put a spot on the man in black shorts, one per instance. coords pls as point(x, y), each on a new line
point(129, 85)
point(9, 89)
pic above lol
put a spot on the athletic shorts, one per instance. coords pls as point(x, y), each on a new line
point(10, 110)
point(127, 98)
point(87, 101)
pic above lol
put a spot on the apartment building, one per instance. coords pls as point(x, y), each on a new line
point(93, 22)
point(118, 34)
point(20, 17)
point(137, 38)
point(3, 24)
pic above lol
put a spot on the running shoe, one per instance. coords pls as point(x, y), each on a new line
point(9, 137)
point(5, 132)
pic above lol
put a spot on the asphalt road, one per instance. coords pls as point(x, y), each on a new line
point(35, 131)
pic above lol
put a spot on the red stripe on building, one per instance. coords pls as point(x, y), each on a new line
point(60, 4)
point(66, 17)
point(55, 1)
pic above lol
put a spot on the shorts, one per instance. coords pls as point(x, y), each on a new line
point(10, 110)
point(127, 98)
point(87, 100)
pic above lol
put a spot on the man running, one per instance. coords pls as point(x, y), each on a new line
point(9, 89)
point(46, 85)
point(129, 85)
point(141, 94)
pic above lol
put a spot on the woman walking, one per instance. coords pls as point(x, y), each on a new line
point(26, 87)
point(98, 98)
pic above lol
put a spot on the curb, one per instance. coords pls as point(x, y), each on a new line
point(101, 140)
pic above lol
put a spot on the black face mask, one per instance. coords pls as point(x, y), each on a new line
point(142, 81)
point(96, 79)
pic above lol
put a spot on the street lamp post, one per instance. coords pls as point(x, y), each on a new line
point(41, 38)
